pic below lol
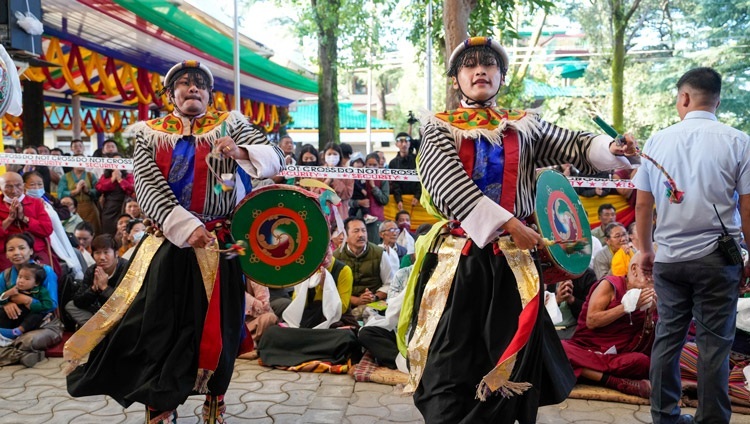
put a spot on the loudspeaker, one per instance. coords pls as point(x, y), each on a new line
point(12, 36)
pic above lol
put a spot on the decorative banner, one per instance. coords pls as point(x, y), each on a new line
point(290, 171)
point(350, 173)
point(599, 183)
point(67, 161)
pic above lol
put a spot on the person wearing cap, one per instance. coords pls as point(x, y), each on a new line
point(404, 160)
point(483, 350)
point(181, 301)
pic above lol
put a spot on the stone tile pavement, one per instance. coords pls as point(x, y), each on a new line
point(263, 395)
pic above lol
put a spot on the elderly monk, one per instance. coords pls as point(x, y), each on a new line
point(612, 345)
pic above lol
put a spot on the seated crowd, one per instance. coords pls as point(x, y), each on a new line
point(68, 234)
point(61, 236)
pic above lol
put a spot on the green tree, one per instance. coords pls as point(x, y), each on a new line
point(454, 20)
point(614, 27)
point(347, 35)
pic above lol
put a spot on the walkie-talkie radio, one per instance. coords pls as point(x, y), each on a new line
point(728, 246)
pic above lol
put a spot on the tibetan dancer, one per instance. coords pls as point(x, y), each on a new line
point(173, 326)
point(481, 348)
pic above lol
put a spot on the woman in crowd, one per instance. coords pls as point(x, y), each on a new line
point(19, 249)
point(58, 241)
point(115, 186)
point(343, 188)
point(35, 188)
point(81, 185)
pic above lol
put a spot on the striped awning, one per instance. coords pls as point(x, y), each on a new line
point(156, 34)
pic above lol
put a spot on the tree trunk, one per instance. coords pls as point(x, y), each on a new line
point(456, 21)
point(382, 107)
point(327, 18)
point(620, 19)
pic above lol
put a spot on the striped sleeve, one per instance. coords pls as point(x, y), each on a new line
point(154, 195)
point(586, 151)
point(156, 198)
point(443, 175)
point(265, 160)
point(452, 190)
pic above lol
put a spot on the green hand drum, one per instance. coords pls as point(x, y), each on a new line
point(286, 233)
point(560, 217)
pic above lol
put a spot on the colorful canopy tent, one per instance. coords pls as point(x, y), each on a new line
point(117, 51)
point(156, 34)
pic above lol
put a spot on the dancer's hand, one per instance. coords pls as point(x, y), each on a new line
point(523, 236)
point(200, 237)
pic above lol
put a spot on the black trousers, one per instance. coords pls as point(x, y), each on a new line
point(381, 343)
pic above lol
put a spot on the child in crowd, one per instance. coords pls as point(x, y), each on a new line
point(360, 192)
point(32, 299)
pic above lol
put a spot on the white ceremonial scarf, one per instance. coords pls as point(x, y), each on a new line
point(61, 244)
point(331, 301)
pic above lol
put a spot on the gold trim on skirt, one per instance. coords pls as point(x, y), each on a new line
point(78, 347)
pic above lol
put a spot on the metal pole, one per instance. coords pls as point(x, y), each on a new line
point(428, 65)
point(369, 107)
point(236, 56)
point(75, 104)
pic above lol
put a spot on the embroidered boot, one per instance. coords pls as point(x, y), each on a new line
point(214, 409)
point(160, 417)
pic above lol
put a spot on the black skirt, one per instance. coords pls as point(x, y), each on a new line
point(151, 357)
point(479, 322)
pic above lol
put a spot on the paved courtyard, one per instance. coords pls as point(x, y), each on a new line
point(263, 395)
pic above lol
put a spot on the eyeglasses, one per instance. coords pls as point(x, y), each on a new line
point(392, 230)
point(402, 140)
point(618, 236)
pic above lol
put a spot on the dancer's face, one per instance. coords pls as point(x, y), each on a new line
point(189, 98)
point(478, 81)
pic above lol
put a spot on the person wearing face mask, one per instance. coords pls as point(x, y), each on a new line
point(99, 281)
point(21, 213)
point(34, 185)
point(59, 242)
point(135, 231)
point(343, 188)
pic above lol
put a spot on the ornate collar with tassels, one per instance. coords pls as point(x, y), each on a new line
point(490, 123)
point(171, 128)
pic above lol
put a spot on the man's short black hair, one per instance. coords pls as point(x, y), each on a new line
point(702, 79)
point(403, 135)
point(402, 212)
point(605, 206)
point(103, 242)
point(353, 218)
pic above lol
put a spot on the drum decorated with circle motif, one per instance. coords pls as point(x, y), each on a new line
point(560, 217)
point(286, 234)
